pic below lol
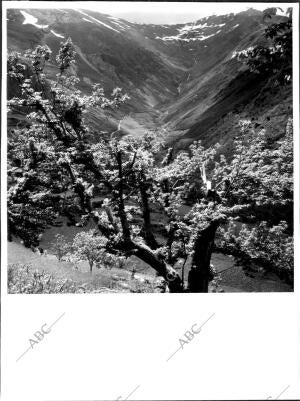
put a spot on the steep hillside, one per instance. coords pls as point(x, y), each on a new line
point(183, 80)
point(109, 52)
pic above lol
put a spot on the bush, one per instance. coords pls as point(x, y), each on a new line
point(23, 279)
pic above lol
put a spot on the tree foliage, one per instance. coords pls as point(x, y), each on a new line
point(60, 247)
point(274, 59)
point(62, 169)
point(266, 245)
point(89, 246)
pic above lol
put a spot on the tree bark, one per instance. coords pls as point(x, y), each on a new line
point(171, 276)
point(121, 211)
point(149, 236)
point(199, 274)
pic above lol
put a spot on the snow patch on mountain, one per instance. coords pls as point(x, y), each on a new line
point(56, 34)
point(87, 20)
point(120, 26)
point(97, 21)
point(179, 38)
point(196, 31)
point(234, 27)
point(189, 28)
point(31, 20)
point(115, 18)
point(119, 22)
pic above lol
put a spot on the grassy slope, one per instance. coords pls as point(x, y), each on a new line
point(233, 277)
point(101, 280)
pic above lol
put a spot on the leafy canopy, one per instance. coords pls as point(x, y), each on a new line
point(56, 167)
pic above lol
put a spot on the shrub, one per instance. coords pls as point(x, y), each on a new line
point(23, 279)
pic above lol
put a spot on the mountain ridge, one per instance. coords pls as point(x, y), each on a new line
point(181, 78)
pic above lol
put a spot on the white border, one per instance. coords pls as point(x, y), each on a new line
point(106, 345)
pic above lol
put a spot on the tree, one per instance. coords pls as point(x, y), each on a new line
point(267, 245)
point(60, 156)
point(60, 247)
point(275, 58)
point(89, 246)
point(265, 183)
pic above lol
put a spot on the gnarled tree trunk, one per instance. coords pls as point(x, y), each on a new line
point(171, 276)
point(199, 274)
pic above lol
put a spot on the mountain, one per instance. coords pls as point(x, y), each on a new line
point(183, 80)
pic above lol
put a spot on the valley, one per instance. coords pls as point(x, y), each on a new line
point(182, 79)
